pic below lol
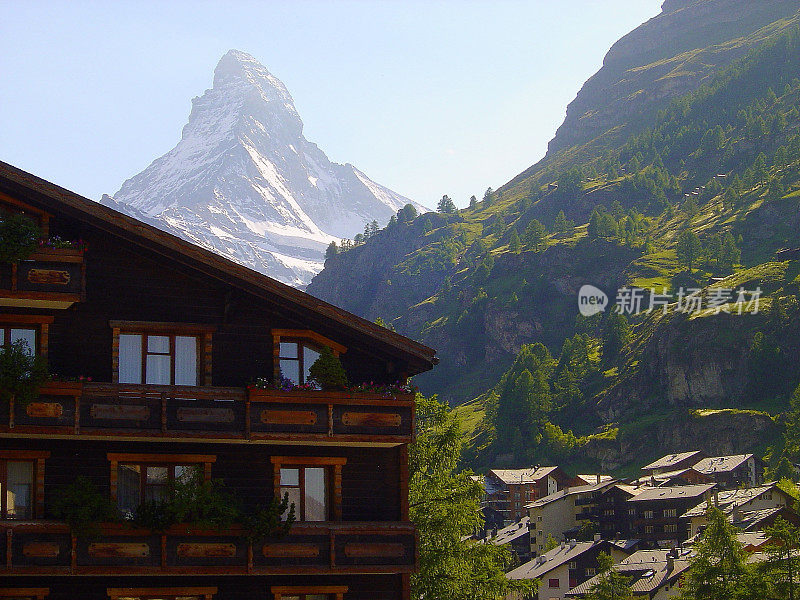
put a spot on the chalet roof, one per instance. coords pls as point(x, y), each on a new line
point(753, 520)
point(673, 493)
point(544, 563)
point(648, 570)
point(729, 500)
point(598, 478)
point(56, 199)
point(519, 476)
point(570, 491)
point(508, 534)
point(665, 477)
point(753, 539)
point(721, 464)
point(670, 460)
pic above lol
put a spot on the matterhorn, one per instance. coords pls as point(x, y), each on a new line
point(244, 182)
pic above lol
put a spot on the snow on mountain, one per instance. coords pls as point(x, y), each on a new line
point(245, 183)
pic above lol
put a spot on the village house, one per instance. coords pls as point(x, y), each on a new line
point(614, 511)
point(654, 574)
point(509, 490)
point(655, 513)
point(175, 365)
point(560, 515)
point(732, 471)
point(738, 505)
point(567, 565)
point(517, 536)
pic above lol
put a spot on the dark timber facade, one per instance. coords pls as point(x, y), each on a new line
point(170, 336)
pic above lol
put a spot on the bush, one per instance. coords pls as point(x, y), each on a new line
point(18, 238)
point(83, 507)
point(327, 371)
point(21, 372)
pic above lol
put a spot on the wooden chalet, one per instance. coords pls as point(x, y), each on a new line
point(156, 342)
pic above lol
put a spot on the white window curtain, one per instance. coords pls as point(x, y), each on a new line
point(185, 360)
point(130, 358)
point(19, 498)
point(159, 363)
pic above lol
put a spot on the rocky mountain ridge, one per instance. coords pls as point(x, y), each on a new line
point(244, 182)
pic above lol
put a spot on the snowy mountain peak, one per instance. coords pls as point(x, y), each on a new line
point(244, 182)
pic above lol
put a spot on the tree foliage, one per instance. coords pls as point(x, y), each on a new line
point(444, 504)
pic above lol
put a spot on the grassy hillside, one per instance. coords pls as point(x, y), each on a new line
point(705, 195)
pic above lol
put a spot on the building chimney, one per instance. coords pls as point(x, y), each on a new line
point(597, 537)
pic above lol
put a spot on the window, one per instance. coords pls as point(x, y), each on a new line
point(573, 564)
point(670, 512)
point(297, 350)
point(20, 497)
point(146, 478)
point(31, 329)
point(671, 528)
point(648, 514)
point(648, 529)
point(158, 359)
point(10, 334)
point(320, 592)
point(162, 353)
point(609, 513)
point(307, 488)
point(296, 359)
point(313, 485)
point(591, 571)
point(172, 593)
point(632, 512)
point(552, 583)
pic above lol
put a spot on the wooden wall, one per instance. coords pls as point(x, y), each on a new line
point(127, 282)
point(370, 478)
point(361, 587)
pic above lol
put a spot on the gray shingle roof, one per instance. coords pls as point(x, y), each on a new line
point(543, 564)
point(517, 476)
point(671, 493)
point(670, 460)
point(648, 570)
point(721, 464)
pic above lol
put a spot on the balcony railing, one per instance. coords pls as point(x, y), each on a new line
point(50, 278)
point(39, 548)
point(104, 409)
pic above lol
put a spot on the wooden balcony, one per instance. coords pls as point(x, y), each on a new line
point(186, 413)
point(52, 278)
point(48, 548)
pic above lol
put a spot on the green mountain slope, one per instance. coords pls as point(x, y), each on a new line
point(702, 193)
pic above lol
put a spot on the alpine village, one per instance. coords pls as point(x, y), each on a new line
point(584, 384)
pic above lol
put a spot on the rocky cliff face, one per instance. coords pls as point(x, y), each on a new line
point(244, 182)
point(669, 55)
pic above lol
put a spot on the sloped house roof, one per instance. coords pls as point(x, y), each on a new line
point(412, 356)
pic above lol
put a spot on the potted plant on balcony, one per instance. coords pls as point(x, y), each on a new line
point(327, 371)
point(21, 373)
point(83, 507)
point(19, 237)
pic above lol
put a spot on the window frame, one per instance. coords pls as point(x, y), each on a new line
point(335, 592)
point(39, 323)
point(207, 593)
point(37, 492)
point(334, 465)
point(203, 335)
point(154, 460)
point(312, 339)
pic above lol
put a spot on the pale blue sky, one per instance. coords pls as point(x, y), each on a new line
point(427, 98)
